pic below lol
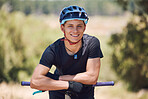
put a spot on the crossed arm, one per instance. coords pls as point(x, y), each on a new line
point(41, 82)
point(89, 77)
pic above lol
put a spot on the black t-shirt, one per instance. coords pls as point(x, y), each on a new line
point(55, 54)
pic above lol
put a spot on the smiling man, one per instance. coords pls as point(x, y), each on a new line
point(76, 57)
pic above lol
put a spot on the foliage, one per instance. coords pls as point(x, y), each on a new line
point(130, 55)
point(22, 41)
point(93, 7)
point(12, 48)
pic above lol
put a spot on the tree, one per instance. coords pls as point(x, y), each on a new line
point(12, 47)
point(93, 7)
point(130, 56)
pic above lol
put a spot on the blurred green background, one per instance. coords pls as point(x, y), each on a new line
point(27, 27)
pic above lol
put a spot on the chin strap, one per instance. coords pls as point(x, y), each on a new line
point(71, 43)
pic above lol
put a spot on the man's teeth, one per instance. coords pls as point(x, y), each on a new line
point(74, 35)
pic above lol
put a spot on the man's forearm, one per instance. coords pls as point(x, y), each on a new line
point(45, 83)
point(50, 84)
point(84, 78)
point(41, 82)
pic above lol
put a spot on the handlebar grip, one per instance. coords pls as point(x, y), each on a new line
point(109, 83)
point(24, 83)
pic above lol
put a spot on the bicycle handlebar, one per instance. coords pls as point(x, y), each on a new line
point(109, 83)
point(25, 83)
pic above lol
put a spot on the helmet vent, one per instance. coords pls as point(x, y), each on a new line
point(70, 9)
point(80, 9)
point(74, 7)
point(63, 12)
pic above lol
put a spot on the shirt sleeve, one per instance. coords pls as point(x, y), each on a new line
point(94, 48)
point(47, 58)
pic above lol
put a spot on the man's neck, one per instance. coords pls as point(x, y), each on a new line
point(72, 49)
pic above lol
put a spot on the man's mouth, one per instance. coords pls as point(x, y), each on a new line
point(74, 35)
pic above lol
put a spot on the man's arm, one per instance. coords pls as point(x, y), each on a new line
point(41, 82)
point(89, 77)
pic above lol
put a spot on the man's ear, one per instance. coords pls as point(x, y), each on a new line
point(62, 28)
point(84, 27)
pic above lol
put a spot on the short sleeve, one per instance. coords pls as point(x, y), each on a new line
point(94, 48)
point(47, 58)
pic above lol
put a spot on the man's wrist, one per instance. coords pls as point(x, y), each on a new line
point(60, 77)
point(67, 85)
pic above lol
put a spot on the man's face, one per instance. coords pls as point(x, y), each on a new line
point(73, 30)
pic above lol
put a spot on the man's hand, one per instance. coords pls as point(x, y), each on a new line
point(75, 86)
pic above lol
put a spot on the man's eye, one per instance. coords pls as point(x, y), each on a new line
point(69, 26)
point(79, 26)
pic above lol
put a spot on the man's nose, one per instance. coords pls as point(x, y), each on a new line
point(75, 30)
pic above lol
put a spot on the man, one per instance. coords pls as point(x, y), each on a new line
point(76, 57)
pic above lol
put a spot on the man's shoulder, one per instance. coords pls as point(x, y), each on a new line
point(88, 38)
point(55, 45)
point(58, 42)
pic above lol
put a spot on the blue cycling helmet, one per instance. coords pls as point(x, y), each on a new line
point(73, 12)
